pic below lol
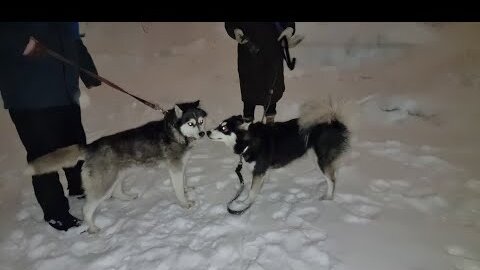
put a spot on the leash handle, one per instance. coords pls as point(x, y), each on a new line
point(286, 53)
point(91, 74)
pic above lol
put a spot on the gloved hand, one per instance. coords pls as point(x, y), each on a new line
point(33, 48)
point(288, 33)
point(240, 36)
point(292, 40)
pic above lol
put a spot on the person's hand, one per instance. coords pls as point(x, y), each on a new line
point(295, 40)
point(292, 40)
point(240, 36)
point(33, 48)
point(288, 33)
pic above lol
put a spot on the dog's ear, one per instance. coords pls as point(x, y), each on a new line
point(178, 111)
point(188, 105)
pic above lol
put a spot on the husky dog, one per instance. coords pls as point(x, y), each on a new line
point(159, 142)
point(320, 127)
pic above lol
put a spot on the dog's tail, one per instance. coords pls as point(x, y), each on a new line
point(327, 111)
point(61, 158)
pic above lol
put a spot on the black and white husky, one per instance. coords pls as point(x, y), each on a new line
point(159, 142)
point(320, 127)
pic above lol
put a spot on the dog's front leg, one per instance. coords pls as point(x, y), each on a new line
point(257, 183)
point(241, 205)
point(248, 183)
point(177, 175)
point(259, 174)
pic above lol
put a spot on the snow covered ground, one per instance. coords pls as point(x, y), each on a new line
point(408, 194)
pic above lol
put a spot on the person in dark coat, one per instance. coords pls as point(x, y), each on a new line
point(41, 95)
point(260, 70)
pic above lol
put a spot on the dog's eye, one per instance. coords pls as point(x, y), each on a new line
point(190, 124)
point(224, 128)
point(200, 121)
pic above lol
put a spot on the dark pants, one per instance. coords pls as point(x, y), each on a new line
point(41, 132)
point(249, 110)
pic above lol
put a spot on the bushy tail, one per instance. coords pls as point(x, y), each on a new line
point(326, 111)
point(62, 158)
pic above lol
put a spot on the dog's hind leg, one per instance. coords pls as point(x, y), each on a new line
point(92, 200)
point(118, 192)
point(88, 211)
point(313, 157)
point(96, 191)
point(330, 170)
point(328, 195)
point(326, 161)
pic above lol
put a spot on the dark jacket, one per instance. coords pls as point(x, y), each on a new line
point(258, 72)
point(38, 82)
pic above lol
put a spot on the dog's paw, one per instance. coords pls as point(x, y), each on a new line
point(242, 197)
point(189, 204)
point(125, 196)
point(132, 196)
point(93, 230)
point(239, 205)
point(326, 197)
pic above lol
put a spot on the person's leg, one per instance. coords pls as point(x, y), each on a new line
point(74, 134)
point(40, 134)
point(270, 113)
point(248, 111)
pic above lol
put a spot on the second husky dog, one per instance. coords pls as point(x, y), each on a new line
point(321, 127)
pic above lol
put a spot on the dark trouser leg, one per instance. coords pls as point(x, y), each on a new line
point(43, 131)
point(75, 134)
point(270, 113)
point(248, 111)
point(271, 110)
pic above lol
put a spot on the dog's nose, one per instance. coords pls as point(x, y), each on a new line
point(209, 132)
point(201, 134)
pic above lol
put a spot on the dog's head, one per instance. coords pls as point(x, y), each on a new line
point(190, 119)
point(228, 130)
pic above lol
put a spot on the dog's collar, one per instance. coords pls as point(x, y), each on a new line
point(176, 133)
point(305, 138)
point(178, 136)
point(240, 162)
